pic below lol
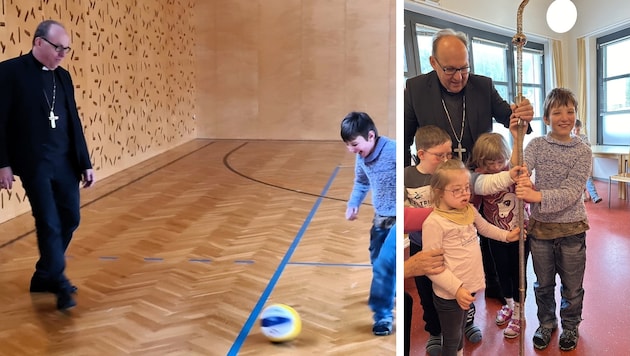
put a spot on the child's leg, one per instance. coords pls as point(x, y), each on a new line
point(429, 314)
point(592, 191)
point(544, 262)
point(425, 291)
point(515, 324)
point(571, 263)
point(493, 288)
point(472, 331)
point(452, 319)
point(504, 261)
point(408, 316)
point(380, 228)
point(383, 288)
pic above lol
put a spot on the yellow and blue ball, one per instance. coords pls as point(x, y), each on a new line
point(280, 323)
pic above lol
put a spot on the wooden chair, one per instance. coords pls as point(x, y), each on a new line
point(620, 178)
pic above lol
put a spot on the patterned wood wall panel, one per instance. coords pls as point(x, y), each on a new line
point(133, 68)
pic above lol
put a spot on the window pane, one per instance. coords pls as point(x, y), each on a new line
point(489, 59)
point(503, 91)
point(405, 70)
point(617, 94)
point(616, 59)
point(535, 97)
point(613, 84)
point(424, 34)
point(538, 129)
point(532, 66)
point(616, 129)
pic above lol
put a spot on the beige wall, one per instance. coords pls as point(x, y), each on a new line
point(132, 64)
point(292, 69)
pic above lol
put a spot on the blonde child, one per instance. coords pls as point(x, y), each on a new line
point(453, 226)
point(433, 146)
point(491, 155)
point(558, 221)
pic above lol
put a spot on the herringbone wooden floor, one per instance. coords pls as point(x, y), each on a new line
point(179, 254)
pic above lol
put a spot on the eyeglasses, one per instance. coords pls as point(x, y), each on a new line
point(459, 191)
point(58, 48)
point(451, 71)
point(442, 156)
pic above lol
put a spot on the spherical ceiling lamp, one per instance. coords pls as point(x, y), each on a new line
point(561, 15)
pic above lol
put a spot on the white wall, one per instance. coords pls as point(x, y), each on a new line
point(595, 18)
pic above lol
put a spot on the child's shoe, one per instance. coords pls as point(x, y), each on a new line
point(434, 345)
point(597, 200)
point(513, 329)
point(542, 336)
point(504, 315)
point(569, 339)
point(472, 331)
point(382, 328)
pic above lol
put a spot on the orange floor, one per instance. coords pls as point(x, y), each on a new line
point(606, 314)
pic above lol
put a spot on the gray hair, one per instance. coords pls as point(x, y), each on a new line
point(445, 33)
point(44, 27)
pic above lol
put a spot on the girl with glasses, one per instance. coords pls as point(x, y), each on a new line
point(453, 226)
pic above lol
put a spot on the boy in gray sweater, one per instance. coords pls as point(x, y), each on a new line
point(375, 170)
point(558, 223)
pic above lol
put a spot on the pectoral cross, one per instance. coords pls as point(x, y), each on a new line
point(52, 119)
point(460, 150)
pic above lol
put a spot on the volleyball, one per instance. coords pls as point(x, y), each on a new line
point(280, 323)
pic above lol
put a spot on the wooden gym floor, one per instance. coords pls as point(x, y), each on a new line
point(179, 254)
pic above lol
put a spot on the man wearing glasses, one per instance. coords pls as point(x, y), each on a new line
point(42, 142)
point(462, 104)
point(453, 98)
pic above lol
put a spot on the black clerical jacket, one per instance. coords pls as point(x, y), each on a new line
point(24, 123)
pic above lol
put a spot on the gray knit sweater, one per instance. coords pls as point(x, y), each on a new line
point(376, 172)
point(561, 170)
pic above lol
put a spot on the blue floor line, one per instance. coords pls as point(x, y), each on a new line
point(244, 262)
point(238, 343)
point(201, 260)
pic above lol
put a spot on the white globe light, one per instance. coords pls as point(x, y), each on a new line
point(561, 15)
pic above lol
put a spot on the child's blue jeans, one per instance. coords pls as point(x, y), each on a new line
point(566, 257)
point(383, 288)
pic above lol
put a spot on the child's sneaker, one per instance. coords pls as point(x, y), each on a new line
point(472, 331)
point(513, 329)
point(434, 345)
point(569, 339)
point(542, 336)
point(504, 315)
point(382, 328)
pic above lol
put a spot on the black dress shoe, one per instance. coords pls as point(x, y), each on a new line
point(65, 300)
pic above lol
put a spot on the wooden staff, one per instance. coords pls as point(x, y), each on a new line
point(519, 41)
